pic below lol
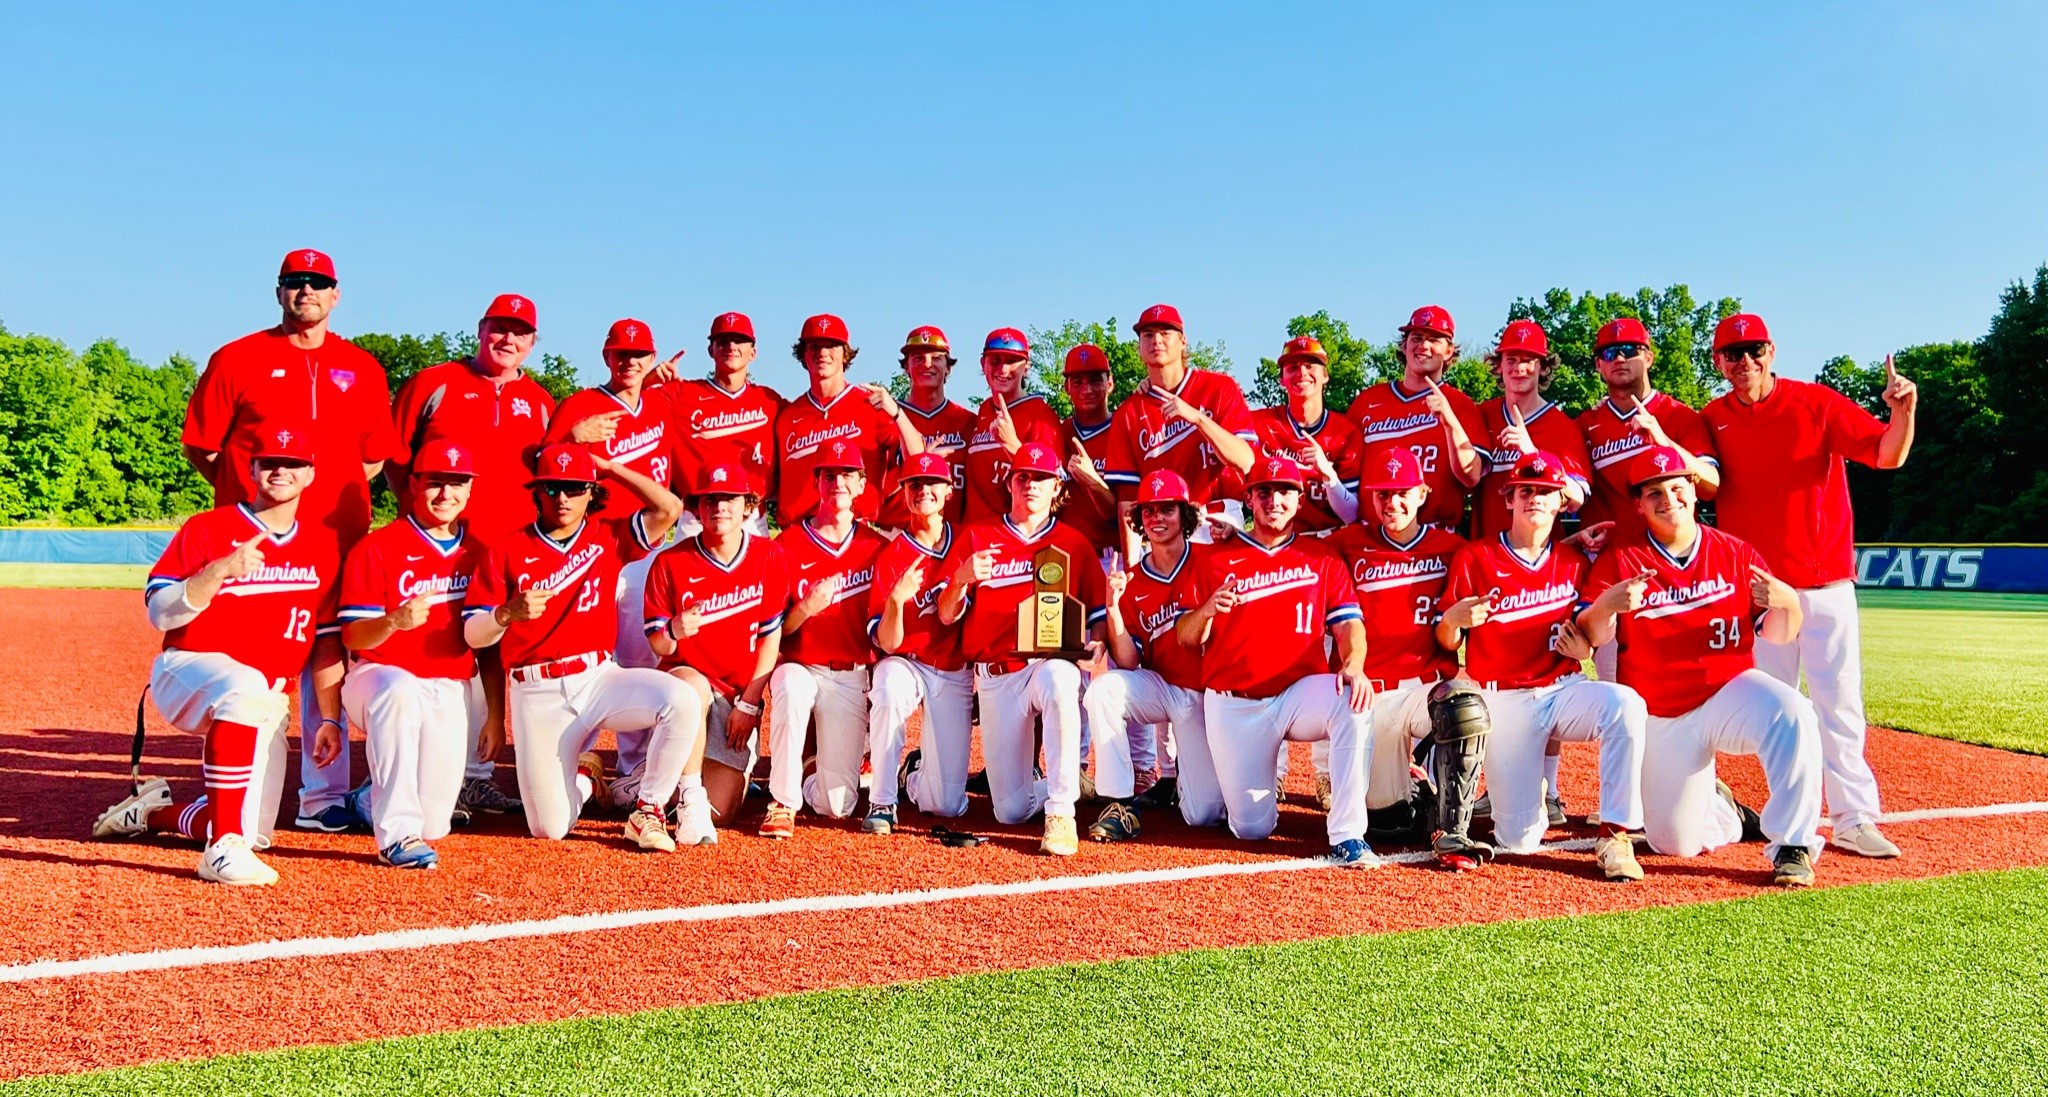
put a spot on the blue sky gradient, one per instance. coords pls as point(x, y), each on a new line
point(1867, 176)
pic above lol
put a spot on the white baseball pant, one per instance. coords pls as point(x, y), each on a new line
point(320, 787)
point(192, 689)
point(632, 650)
point(1829, 648)
point(1400, 717)
point(1571, 710)
point(1137, 698)
point(1011, 705)
point(1753, 714)
point(413, 734)
point(1604, 662)
point(839, 701)
point(1247, 734)
point(554, 720)
point(897, 688)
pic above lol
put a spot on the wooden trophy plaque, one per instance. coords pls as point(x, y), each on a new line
point(1051, 623)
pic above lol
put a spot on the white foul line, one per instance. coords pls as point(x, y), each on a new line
point(122, 963)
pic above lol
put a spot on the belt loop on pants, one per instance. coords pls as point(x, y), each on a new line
point(558, 668)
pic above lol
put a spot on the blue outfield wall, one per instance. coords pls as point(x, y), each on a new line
point(2016, 569)
point(83, 546)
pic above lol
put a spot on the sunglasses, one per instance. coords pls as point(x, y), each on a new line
point(565, 491)
point(1618, 351)
point(305, 281)
point(1739, 351)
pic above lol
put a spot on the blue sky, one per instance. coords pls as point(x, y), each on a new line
point(1866, 176)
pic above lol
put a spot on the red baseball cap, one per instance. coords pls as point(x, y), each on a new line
point(511, 306)
point(825, 328)
point(1434, 318)
point(733, 323)
point(1163, 486)
point(281, 439)
point(563, 462)
point(1397, 469)
point(1007, 342)
point(927, 466)
point(1621, 329)
point(629, 335)
point(1036, 458)
point(1304, 346)
point(838, 454)
point(926, 338)
point(306, 261)
point(1743, 327)
point(722, 479)
point(444, 459)
point(1541, 469)
point(1159, 316)
point(1086, 358)
point(1274, 469)
point(1526, 336)
point(1656, 463)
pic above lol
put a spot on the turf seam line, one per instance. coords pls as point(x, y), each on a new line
point(441, 936)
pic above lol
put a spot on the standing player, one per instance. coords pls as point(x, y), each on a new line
point(1263, 601)
point(1157, 679)
point(1006, 420)
point(923, 664)
point(991, 576)
point(1085, 440)
point(1307, 433)
point(301, 373)
point(244, 595)
point(630, 418)
point(1686, 603)
point(545, 595)
point(1520, 422)
point(825, 650)
point(1784, 490)
point(1510, 601)
point(865, 417)
point(944, 425)
point(714, 617)
point(412, 685)
point(725, 418)
point(1437, 422)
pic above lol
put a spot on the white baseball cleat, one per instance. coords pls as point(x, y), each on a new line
point(1864, 840)
point(693, 820)
point(131, 816)
point(229, 860)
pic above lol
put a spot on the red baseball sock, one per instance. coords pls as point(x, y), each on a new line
point(230, 761)
point(190, 820)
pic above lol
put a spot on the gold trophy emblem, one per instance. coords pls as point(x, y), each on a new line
point(1051, 623)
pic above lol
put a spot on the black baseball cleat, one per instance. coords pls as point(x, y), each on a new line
point(1117, 823)
point(1752, 823)
point(1792, 867)
point(1162, 795)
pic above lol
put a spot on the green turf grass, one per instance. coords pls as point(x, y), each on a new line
point(123, 576)
point(1927, 987)
point(1961, 666)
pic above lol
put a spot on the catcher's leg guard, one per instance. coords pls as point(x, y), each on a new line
point(1459, 725)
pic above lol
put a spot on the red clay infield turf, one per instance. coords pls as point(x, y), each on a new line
point(72, 662)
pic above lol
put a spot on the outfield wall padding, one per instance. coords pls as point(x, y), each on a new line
point(83, 546)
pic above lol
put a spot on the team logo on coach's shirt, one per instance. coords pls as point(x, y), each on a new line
point(342, 378)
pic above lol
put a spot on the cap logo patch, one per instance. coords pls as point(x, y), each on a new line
point(517, 304)
point(1741, 327)
point(1538, 467)
point(632, 332)
point(454, 455)
point(718, 476)
point(1393, 466)
point(1663, 461)
point(284, 438)
point(562, 461)
point(309, 258)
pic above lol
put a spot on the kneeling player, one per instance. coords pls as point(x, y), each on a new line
point(1680, 602)
point(546, 595)
point(1265, 672)
point(242, 594)
point(1510, 600)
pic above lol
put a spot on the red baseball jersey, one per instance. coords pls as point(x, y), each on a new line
point(1143, 437)
point(1784, 488)
point(1697, 627)
point(583, 571)
point(643, 442)
point(501, 425)
point(714, 426)
point(1288, 595)
point(1340, 440)
point(1153, 602)
point(1399, 587)
point(836, 637)
point(738, 602)
point(988, 463)
point(1612, 441)
point(1390, 416)
point(336, 389)
point(945, 431)
point(1551, 431)
point(268, 619)
point(393, 566)
point(805, 425)
point(1516, 646)
point(988, 628)
point(924, 638)
point(1089, 516)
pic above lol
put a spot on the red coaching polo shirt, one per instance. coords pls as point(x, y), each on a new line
point(501, 424)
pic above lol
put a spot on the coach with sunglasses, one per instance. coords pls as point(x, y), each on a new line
point(1784, 489)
